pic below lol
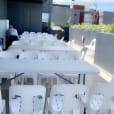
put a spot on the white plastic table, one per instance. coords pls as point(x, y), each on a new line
point(47, 66)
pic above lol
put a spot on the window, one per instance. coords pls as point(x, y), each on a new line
point(87, 18)
point(45, 17)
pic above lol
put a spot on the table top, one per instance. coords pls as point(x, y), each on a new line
point(47, 66)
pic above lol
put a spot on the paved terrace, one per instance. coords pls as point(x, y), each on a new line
point(89, 57)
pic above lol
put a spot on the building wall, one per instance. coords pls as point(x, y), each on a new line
point(104, 52)
point(25, 16)
point(108, 17)
point(3, 9)
point(80, 8)
point(60, 15)
point(47, 6)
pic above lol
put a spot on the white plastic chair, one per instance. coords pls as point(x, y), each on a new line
point(25, 33)
point(7, 55)
point(74, 55)
point(0, 48)
point(36, 43)
point(66, 56)
point(15, 105)
point(27, 92)
point(17, 43)
point(46, 56)
point(76, 106)
point(56, 103)
point(2, 105)
point(37, 104)
point(15, 51)
point(28, 56)
point(69, 91)
point(91, 45)
point(96, 103)
point(0, 98)
point(49, 78)
point(32, 33)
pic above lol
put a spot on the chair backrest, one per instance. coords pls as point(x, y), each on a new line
point(25, 32)
point(96, 101)
point(18, 43)
point(15, 51)
point(36, 43)
point(37, 103)
point(15, 105)
point(92, 44)
point(0, 48)
point(46, 56)
point(69, 91)
point(28, 55)
point(76, 106)
point(0, 98)
point(27, 92)
point(74, 54)
point(66, 56)
point(56, 102)
point(7, 55)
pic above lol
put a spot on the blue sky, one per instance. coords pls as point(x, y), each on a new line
point(102, 5)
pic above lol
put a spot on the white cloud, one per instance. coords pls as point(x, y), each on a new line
point(62, 1)
point(69, 1)
point(94, 1)
point(105, 0)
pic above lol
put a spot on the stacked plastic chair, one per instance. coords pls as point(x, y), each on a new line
point(28, 55)
point(56, 103)
point(6, 55)
point(15, 105)
point(37, 104)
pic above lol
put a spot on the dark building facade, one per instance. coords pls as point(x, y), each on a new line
point(25, 15)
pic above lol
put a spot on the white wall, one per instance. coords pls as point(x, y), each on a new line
point(0, 98)
point(4, 25)
point(104, 52)
point(3, 9)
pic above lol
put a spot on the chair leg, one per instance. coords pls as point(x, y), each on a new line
point(12, 81)
point(0, 80)
point(35, 79)
point(39, 79)
point(57, 80)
